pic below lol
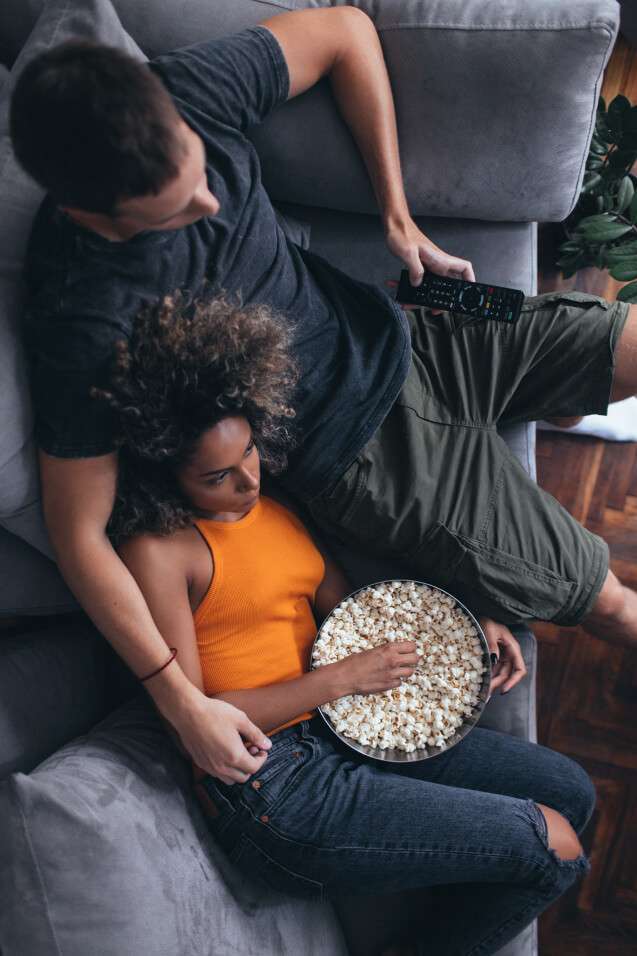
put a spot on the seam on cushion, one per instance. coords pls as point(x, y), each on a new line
point(503, 27)
point(36, 866)
point(590, 125)
point(27, 610)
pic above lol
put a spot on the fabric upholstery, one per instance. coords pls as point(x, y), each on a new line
point(29, 582)
point(54, 684)
point(106, 852)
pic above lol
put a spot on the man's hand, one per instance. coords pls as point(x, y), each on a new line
point(509, 667)
point(406, 241)
point(221, 739)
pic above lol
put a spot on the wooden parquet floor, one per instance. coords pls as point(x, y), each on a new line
point(587, 689)
point(587, 703)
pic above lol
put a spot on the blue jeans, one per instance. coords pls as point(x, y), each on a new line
point(318, 821)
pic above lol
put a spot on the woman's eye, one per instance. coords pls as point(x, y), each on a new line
point(249, 449)
point(217, 479)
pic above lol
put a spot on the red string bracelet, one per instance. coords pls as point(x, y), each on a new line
point(173, 655)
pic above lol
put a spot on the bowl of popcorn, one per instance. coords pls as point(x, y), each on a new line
point(434, 708)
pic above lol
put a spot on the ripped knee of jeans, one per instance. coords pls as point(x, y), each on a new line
point(572, 868)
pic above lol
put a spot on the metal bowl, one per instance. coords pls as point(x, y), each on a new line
point(422, 753)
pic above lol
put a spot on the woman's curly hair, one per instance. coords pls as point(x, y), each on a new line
point(188, 365)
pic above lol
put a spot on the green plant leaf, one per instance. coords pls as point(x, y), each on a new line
point(593, 180)
point(600, 217)
point(617, 255)
point(625, 194)
point(603, 232)
point(602, 131)
point(598, 148)
point(632, 209)
point(628, 293)
point(627, 270)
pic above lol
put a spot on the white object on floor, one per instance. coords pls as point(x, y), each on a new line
point(619, 425)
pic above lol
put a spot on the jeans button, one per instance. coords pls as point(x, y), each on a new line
point(256, 784)
point(265, 818)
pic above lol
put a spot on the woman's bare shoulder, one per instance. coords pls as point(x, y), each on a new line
point(160, 549)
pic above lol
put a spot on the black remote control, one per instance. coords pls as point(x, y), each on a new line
point(457, 295)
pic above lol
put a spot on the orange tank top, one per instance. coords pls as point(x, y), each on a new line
point(255, 625)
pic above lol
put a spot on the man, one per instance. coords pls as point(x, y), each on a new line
point(153, 187)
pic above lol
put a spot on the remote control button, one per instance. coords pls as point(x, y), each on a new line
point(470, 298)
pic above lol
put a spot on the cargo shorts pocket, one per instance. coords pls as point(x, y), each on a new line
point(492, 582)
point(255, 862)
point(437, 556)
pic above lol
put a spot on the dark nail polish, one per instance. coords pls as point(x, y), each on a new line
point(494, 659)
point(506, 691)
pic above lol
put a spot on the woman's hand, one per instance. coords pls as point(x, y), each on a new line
point(509, 667)
point(406, 241)
point(370, 672)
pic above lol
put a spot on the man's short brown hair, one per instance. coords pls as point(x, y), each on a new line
point(94, 126)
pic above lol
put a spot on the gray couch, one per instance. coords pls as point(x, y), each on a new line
point(103, 849)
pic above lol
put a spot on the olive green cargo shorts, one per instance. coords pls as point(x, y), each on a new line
point(436, 487)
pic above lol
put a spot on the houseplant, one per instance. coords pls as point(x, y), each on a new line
point(602, 229)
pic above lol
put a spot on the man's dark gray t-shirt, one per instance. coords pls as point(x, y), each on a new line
point(350, 339)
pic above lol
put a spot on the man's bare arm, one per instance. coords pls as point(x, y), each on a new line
point(78, 496)
point(342, 44)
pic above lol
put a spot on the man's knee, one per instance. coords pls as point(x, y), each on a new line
point(562, 838)
point(610, 602)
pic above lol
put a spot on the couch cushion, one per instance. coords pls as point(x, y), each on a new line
point(55, 683)
point(19, 199)
point(105, 851)
point(29, 582)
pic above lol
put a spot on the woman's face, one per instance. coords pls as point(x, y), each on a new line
point(222, 478)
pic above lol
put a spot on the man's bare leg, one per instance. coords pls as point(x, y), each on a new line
point(614, 615)
point(566, 422)
point(625, 379)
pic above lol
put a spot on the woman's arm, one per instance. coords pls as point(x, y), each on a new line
point(333, 589)
point(160, 566)
point(368, 672)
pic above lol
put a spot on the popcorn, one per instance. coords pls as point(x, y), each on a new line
point(428, 707)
